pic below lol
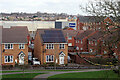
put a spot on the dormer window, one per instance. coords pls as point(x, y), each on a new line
point(8, 46)
point(21, 46)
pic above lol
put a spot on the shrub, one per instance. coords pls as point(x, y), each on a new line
point(105, 61)
point(7, 66)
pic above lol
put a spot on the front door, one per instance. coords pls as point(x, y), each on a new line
point(21, 59)
point(61, 60)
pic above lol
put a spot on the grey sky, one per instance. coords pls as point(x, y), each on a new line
point(50, 6)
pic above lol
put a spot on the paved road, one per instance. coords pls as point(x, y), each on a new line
point(45, 76)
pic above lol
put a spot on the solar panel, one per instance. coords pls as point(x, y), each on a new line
point(54, 36)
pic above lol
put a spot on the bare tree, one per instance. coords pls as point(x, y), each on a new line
point(103, 8)
point(106, 8)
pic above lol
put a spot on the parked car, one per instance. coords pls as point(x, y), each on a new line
point(36, 61)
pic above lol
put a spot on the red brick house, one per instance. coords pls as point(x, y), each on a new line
point(81, 40)
point(0, 43)
point(50, 46)
point(14, 46)
point(94, 43)
point(70, 37)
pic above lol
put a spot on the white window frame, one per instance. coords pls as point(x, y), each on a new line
point(69, 44)
point(69, 37)
point(95, 43)
point(76, 41)
point(116, 47)
point(21, 46)
point(105, 52)
point(6, 46)
point(81, 41)
point(81, 48)
point(49, 46)
point(50, 56)
point(62, 46)
point(89, 42)
point(91, 50)
point(6, 59)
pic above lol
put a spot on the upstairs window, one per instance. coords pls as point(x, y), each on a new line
point(77, 41)
point(8, 46)
point(62, 46)
point(49, 46)
point(21, 46)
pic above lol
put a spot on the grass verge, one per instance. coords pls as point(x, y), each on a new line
point(86, 75)
point(25, 76)
point(38, 70)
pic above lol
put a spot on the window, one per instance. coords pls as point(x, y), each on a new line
point(69, 44)
point(81, 48)
point(77, 41)
point(8, 46)
point(105, 52)
point(8, 59)
point(21, 46)
point(70, 37)
point(92, 42)
point(49, 46)
point(81, 42)
point(91, 50)
point(115, 46)
point(89, 42)
point(77, 48)
point(95, 43)
point(62, 46)
point(49, 58)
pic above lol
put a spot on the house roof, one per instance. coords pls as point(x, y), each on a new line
point(112, 37)
point(96, 36)
point(72, 33)
point(52, 36)
point(88, 19)
point(15, 35)
point(84, 34)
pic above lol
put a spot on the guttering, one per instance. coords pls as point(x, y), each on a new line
point(55, 43)
point(14, 43)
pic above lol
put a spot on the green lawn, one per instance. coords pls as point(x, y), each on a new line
point(25, 76)
point(10, 71)
point(39, 70)
point(95, 74)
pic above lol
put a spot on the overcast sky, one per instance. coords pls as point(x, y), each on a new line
point(50, 6)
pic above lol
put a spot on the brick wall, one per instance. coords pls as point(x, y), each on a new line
point(14, 52)
point(56, 52)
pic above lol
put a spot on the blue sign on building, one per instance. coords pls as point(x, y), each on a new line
point(72, 24)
